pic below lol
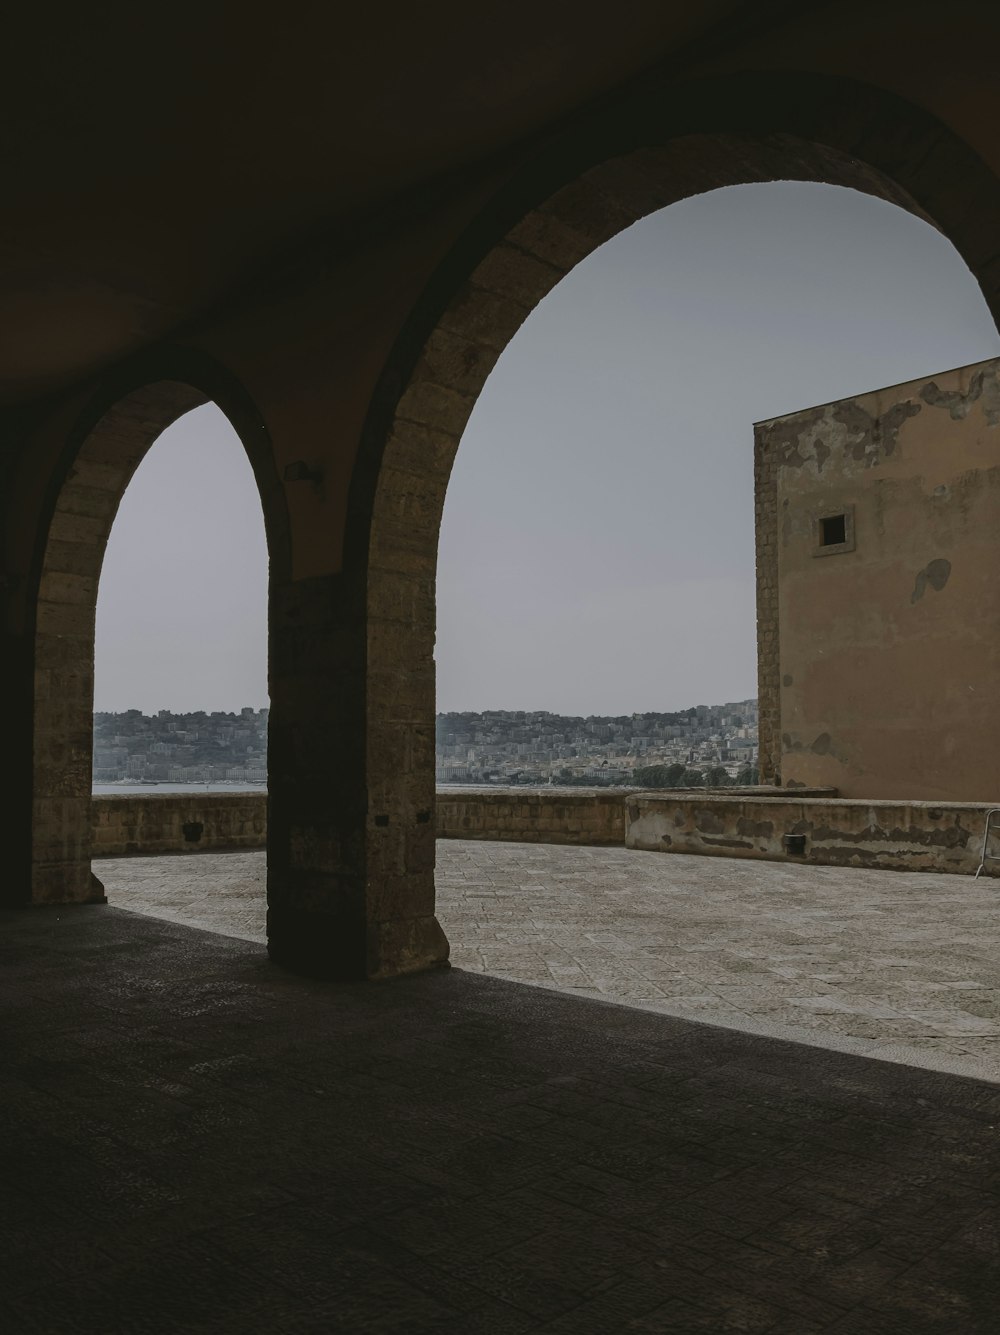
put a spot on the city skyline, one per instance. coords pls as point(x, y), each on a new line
point(715, 744)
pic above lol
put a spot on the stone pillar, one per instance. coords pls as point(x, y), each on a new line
point(350, 863)
point(400, 741)
point(99, 468)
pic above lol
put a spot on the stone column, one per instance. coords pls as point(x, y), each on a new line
point(350, 861)
point(99, 469)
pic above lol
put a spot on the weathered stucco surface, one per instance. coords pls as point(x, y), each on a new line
point(888, 653)
point(901, 836)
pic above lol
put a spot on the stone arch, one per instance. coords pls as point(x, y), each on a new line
point(109, 442)
point(625, 161)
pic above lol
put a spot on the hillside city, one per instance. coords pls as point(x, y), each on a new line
point(708, 744)
point(133, 747)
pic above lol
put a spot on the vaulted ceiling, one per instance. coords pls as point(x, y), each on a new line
point(155, 155)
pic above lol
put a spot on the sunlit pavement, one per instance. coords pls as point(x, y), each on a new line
point(903, 966)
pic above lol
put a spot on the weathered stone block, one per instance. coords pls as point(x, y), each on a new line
point(430, 404)
point(551, 239)
point(455, 362)
point(65, 587)
point(511, 272)
point(484, 317)
point(425, 451)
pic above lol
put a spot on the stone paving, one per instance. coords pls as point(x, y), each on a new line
point(194, 1141)
point(903, 966)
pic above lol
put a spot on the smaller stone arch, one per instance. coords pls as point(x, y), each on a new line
point(111, 440)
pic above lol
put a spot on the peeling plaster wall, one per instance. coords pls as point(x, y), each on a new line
point(898, 836)
point(888, 652)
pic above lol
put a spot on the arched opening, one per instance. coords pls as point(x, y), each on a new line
point(102, 456)
point(180, 687)
point(597, 545)
point(764, 130)
point(554, 574)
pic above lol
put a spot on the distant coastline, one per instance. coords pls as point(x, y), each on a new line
point(701, 746)
point(127, 789)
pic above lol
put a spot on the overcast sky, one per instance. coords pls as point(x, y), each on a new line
point(182, 602)
point(597, 548)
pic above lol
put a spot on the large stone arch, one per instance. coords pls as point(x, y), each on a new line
point(109, 441)
point(594, 180)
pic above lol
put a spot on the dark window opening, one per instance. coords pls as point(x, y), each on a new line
point(833, 530)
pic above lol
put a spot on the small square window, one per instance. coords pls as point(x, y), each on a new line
point(834, 532)
point(833, 529)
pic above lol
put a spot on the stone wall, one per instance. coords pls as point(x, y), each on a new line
point(210, 822)
point(595, 816)
point(903, 836)
point(559, 816)
point(64, 634)
point(148, 824)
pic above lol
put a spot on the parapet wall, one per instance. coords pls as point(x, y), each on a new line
point(811, 827)
point(148, 823)
point(551, 815)
point(903, 836)
point(151, 823)
point(547, 816)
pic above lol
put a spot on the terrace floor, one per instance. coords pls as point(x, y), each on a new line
point(901, 966)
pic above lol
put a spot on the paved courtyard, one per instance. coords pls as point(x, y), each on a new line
point(903, 966)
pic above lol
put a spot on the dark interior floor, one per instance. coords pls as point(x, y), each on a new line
point(196, 1141)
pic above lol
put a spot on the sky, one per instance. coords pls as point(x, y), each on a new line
point(596, 553)
point(182, 599)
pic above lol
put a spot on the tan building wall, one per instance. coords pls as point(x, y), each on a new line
point(883, 512)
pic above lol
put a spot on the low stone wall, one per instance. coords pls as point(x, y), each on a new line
point(554, 815)
point(150, 823)
point(533, 816)
point(904, 836)
point(809, 827)
point(196, 822)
